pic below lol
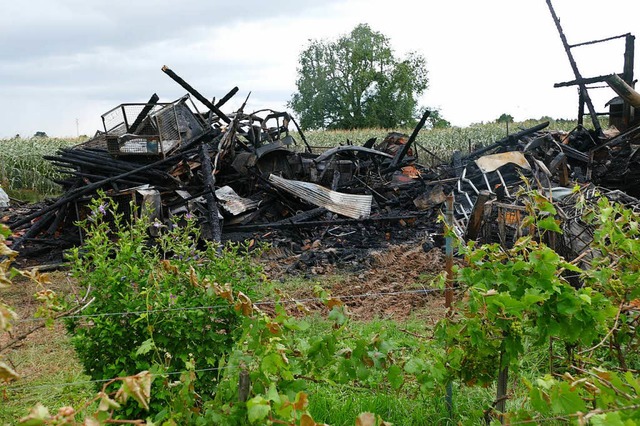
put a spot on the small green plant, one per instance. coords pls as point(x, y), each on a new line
point(153, 307)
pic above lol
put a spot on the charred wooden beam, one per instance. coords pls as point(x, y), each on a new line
point(76, 193)
point(226, 97)
point(209, 195)
point(175, 77)
point(405, 148)
point(626, 92)
point(153, 100)
point(475, 221)
point(588, 80)
point(576, 72)
point(586, 43)
point(317, 223)
point(44, 220)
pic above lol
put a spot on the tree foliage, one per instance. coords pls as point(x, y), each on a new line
point(505, 118)
point(356, 81)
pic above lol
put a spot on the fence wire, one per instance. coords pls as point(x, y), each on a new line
point(215, 307)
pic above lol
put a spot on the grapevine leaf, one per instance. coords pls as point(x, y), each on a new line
point(366, 419)
point(564, 401)
point(244, 305)
point(6, 316)
point(107, 403)
point(257, 408)
point(91, 421)
point(146, 347)
point(307, 420)
point(272, 394)
point(608, 419)
point(37, 416)
point(301, 402)
point(549, 224)
point(138, 387)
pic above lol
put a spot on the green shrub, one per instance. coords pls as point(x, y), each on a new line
point(146, 309)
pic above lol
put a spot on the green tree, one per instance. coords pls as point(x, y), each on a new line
point(436, 120)
point(505, 118)
point(356, 81)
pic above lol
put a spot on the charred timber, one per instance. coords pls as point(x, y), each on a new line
point(209, 195)
point(317, 223)
point(175, 77)
point(397, 160)
point(143, 114)
point(77, 193)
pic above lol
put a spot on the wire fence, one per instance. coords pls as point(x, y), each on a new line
point(18, 388)
point(224, 306)
point(89, 382)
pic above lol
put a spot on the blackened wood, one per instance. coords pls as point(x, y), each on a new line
point(303, 216)
point(586, 43)
point(226, 97)
point(61, 214)
point(627, 76)
point(195, 93)
point(76, 193)
point(475, 221)
point(304, 139)
point(576, 72)
point(153, 100)
point(405, 148)
point(34, 229)
point(589, 80)
point(209, 195)
point(317, 223)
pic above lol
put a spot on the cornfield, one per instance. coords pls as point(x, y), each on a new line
point(441, 142)
point(22, 167)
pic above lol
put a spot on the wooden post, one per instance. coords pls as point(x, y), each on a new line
point(501, 393)
point(244, 384)
point(627, 76)
point(475, 221)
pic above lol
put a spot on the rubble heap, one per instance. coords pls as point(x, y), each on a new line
point(249, 176)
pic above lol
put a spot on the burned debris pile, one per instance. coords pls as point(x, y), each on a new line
point(254, 176)
point(243, 175)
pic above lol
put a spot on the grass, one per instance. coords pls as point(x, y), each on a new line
point(44, 359)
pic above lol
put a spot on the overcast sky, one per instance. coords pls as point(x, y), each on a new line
point(62, 60)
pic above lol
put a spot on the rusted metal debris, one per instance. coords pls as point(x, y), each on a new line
point(246, 176)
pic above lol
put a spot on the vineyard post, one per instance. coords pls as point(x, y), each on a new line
point(448, 295)
point(244, 384)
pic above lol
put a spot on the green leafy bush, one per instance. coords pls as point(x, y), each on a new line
point(155, 307)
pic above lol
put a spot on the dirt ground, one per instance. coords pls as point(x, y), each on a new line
point(388, 287)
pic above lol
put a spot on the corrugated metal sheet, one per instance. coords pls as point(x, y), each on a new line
point(353, 206)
